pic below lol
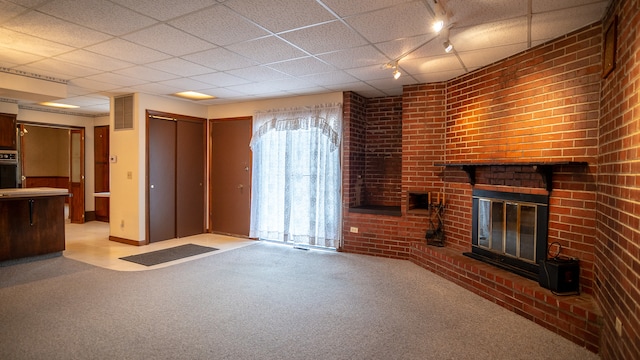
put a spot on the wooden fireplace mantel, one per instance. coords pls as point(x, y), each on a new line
point(543, 168)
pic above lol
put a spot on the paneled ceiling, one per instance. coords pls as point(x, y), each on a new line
point(241, 50)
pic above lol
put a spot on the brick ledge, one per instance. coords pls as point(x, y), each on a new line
point(577, 318)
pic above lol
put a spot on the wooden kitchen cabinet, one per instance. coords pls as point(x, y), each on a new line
point(7, 131)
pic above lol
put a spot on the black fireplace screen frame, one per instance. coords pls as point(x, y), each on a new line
point(521, 267)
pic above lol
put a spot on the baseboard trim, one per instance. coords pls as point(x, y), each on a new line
point(127, 241)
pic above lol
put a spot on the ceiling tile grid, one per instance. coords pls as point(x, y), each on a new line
point(239, 50)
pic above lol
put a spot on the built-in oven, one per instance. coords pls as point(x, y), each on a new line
point(8, 169)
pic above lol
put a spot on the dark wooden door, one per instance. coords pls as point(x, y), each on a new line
point(101, 171)
point(162, 179)
point(76, 176)
point(190, 198)
point(231, 176)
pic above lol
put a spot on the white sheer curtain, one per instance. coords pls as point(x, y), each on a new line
point(296, 175)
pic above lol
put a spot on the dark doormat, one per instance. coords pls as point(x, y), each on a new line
point(170, 254)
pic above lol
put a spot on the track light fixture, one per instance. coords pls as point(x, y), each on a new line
point(447, 46)
point(440, 17)
point(393, 65)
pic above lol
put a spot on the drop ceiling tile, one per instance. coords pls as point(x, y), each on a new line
point(550, 25)
point(93, 60)
point(28, 3)
point(9, 55)
point(128, 51)
point(222, 93)
point(445, 62)
point(86, 100)
point(61, 69)
point(401, 21)
point(291, 84)
point(219, 59)
point(389, 83)
point(258, 88)
point(100, 15)
point(186, 84)
point(489, 35)
point(372, 72)
point(462, 14)
point(9, 10)
point(267, 50)
point(50, 28)
point(93, 84)
point(174, 42)
point(116, 79)
point(31, 44)
point(156, 88)
point(348, 8)
point(553, 5)
point(165, 10)
point(146, 73)
point(360, 87)
point(483, 57)
point(325, 37)
point(330, 78)
point(302, 66)
point(258, 73)
point(439, 76)
point(218, 25)
point(98, 109)
point(220, 79)
point(74, 90)
point(269, 13)
point(179, 67)
point(397, 48)
point(355, 57)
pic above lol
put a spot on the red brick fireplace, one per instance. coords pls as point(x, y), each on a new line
point(540, 107)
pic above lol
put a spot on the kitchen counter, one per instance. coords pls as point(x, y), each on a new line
point(31, 223)
point(32, 192)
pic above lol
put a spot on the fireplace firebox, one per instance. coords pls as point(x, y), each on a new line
point(510, 230)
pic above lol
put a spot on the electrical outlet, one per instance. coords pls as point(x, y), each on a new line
point(618, 326)
point(353, 229)
point(129, 175)
point(122, 224)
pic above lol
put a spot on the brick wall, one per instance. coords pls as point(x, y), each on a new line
point(617, 255)
point(383, 149)
point(353, 143)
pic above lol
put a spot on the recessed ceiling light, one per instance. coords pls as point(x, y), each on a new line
point(193, 95)
point(59, 105)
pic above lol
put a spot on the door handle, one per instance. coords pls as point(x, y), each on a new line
point(240, 186)
point(153, 186)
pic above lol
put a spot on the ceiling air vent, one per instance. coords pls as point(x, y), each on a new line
point(123, 112)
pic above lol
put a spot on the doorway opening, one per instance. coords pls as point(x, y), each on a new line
point(53, 156)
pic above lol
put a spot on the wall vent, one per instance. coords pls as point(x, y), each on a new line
point(123, 112)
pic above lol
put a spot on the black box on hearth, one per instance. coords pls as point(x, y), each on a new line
point(560, 275)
